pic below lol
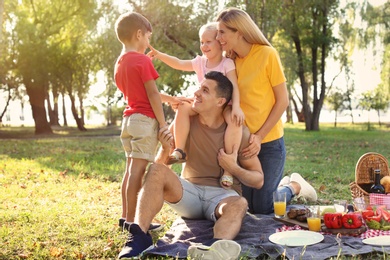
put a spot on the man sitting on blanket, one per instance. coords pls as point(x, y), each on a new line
point(198, 194)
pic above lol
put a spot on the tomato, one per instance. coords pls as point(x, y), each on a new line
point(333, 220)
point(376, 218)
point(367, 213)
point(385, 214)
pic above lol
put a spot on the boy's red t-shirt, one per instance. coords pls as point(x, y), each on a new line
point(132, 70)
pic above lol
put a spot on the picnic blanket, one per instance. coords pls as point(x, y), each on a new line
point(253, 238)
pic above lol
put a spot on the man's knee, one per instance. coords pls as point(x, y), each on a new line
point(238, 206)
point(242, 205)
point(155, 172)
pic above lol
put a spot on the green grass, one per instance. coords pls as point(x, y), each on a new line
point(60, 194)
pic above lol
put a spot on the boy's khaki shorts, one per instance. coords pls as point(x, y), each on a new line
point(139, 136)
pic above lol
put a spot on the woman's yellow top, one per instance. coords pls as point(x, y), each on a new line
point(257, 73)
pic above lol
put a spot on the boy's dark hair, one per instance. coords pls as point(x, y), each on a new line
point(224, 86)
point(129, 23)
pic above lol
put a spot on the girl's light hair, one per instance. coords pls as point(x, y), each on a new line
point(208, 27)
point(238, 20)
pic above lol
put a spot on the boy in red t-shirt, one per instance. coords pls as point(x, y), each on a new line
point(143, 116)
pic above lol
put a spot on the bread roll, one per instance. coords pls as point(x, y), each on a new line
point(385, 181)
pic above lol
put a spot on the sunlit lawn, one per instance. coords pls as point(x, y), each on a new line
point(60, 195)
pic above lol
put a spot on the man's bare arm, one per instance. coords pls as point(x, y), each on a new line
point(166, 139)
point(249, 171)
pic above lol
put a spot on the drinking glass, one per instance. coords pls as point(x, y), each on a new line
point(340, 205)
point(279, 204)
point(314, 219)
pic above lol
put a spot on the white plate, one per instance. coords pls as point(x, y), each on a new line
point(296, 238)
point(377, 241)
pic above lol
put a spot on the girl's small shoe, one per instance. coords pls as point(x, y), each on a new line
point(178, 156)
point(226, 181)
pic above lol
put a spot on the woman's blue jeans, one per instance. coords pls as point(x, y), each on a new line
point(272, 158)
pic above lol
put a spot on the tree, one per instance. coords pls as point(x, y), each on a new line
point(312, 38)
point(40, 29)
point(335, 101)
point(375, 34)
point(365, 102)
point(380, 102)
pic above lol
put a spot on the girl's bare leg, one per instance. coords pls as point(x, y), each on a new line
point(181, 131)
point(232, 138)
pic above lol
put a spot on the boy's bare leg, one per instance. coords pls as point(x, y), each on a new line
point(124, 187)
point(136, 173)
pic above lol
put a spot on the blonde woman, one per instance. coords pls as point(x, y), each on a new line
point(263, 98)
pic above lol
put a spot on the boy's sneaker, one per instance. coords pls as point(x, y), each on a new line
point(219, 250)
point(137, 243)
point(153, 227)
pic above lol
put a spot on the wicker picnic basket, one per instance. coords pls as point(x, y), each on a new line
point(364, 176)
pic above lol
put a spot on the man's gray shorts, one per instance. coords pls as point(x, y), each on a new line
point(199, 202)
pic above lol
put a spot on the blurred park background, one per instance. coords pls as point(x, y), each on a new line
point(61, 158)
point(57, 57)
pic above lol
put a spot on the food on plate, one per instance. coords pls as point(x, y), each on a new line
point(333, 220)
point(377, 218)
point(328, 210)
point(352, 220)
point(385, 181)
point(373, 224)
point(298, 214)
point(302, 218)
point(292, 213)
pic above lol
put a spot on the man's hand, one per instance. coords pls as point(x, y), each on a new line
point(228, 161)
point(165, 137)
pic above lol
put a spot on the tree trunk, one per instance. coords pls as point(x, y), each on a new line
point(64, 110)
point(53, 110)
point(6, 105)
point(379, 117)
point(76, 117)
point(301, 73)
point(300, 114)
point(82, 113)
point(37, 96)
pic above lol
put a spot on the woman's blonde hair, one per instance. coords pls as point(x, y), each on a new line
point(238, 20)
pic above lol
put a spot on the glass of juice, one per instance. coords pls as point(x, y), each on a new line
point(279, 204)
point(314, 219)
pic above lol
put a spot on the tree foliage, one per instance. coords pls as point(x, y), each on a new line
point(52, 50)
